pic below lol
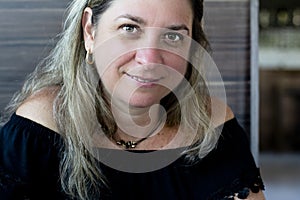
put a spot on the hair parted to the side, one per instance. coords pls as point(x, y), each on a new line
point(80, 106)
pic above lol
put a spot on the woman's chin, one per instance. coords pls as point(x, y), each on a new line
point(142, 102)
point(139, 99)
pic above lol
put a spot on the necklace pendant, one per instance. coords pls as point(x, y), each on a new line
point(130, 144)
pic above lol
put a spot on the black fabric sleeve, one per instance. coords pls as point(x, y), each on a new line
point(234, 149)
point(28, 160)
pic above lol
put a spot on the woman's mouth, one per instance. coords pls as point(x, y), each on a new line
point(143, 80)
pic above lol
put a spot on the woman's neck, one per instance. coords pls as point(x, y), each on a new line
point(138, 122)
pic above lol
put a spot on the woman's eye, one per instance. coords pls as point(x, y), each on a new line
point(173, 36)
point(129, 28)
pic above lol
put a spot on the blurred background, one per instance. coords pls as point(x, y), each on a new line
point(279, 65)
point(237, 29)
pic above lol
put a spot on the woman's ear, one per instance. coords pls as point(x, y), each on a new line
point(88, 31)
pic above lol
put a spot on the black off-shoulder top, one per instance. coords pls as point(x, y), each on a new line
point(30, 156)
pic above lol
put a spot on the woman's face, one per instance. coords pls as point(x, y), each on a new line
point(140, 48)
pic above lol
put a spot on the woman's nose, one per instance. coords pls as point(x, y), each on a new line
point(147, 56)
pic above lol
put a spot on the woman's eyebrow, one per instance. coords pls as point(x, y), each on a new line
point(141, 21)
point(136, 19)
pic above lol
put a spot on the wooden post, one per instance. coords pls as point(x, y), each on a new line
point(254, 80)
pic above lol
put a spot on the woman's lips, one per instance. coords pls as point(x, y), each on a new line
point(142, 79)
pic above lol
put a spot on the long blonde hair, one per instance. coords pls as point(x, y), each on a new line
point(80, 106)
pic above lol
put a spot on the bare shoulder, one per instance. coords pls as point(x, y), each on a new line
point(220, 111)
point(39, 107)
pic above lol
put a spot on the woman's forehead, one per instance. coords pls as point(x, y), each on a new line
point(152, 11)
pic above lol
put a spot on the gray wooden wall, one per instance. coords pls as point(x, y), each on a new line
point(227, 25)
point(27, 28)
point(232, 28)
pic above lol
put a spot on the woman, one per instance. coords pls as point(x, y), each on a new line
point(120, 79)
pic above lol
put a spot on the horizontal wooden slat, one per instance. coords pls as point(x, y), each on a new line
point(32, 4)
point(29, 25)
